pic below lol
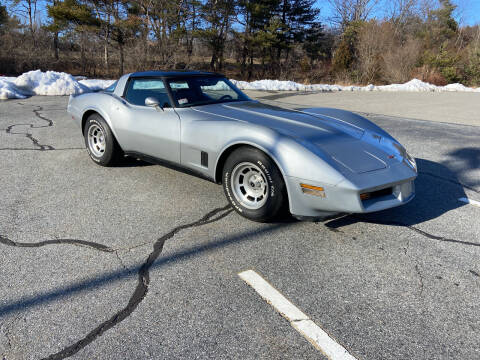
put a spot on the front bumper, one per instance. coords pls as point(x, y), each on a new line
point(389, 187)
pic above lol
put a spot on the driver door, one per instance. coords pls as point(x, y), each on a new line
point(147, 130)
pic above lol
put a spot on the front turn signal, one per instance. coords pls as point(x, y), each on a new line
point(313, 190)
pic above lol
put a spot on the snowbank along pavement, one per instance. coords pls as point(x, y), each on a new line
point(414, 85)
point(58, 83)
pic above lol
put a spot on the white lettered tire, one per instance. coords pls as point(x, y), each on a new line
point(254, 185)
point(100, 142)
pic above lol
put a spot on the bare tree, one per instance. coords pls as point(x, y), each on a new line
point(426, 7)
point(346, 11)
point(27, 9)
point(399, 11)
point(403, 14)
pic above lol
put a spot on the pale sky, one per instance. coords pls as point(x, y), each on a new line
point(468, 11)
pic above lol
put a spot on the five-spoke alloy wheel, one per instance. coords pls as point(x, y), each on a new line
point(100, 142)
point(96, 140)
point(249, 185)
point(254, 185)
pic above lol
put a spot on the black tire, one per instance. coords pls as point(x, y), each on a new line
point(112, 153)
point(276, 199)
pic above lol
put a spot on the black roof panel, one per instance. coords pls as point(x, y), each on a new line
point(173, 73)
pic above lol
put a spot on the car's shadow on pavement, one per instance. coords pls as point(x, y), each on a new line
point(463, 161)
point(128, 161)
point(437, 192)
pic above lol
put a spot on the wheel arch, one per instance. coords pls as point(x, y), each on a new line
point(93, 110)
point(86, 115)
point(225, 153)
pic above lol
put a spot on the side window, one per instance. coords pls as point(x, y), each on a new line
point(139, 89)
point(217, 89)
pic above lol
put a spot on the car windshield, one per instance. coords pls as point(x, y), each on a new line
point(203, 90)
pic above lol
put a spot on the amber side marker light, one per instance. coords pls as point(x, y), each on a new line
point(313, 190)
point(365, 196)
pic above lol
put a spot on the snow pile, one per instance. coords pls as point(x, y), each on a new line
point(279, 85)
point(459, 88)
point(414, 85)
point(95, 84)
point(8, 90)
point(47, 83)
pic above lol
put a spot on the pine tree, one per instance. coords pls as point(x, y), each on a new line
point(72, 16)
point(316, 43)
point(441, 25)
point(218, 18)
point(298, 17)
point(3, 17)
point(260, 22)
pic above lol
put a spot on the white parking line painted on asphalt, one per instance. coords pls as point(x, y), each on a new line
point(470, 201)
point(300, 321)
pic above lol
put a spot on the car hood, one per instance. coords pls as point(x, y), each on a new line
point(339, 139)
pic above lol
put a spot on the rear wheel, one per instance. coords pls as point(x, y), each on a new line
point(254, 185)
point(100, 142)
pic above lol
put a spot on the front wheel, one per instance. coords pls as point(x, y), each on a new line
point(254, 185)
point(100, 142)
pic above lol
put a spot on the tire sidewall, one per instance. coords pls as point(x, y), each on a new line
point(276, 186)
point(106, 158)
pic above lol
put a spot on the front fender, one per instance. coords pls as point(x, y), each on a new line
point(292, 156)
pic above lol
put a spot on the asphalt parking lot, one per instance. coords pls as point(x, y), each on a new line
point(142, 261)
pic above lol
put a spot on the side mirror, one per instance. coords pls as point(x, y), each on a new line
point(153, 102)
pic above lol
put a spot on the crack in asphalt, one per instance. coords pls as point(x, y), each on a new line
point(406, 248)
point(9, 341)
point(438, 238)
point(411, 227)
point(38, 115)
point(420, 278)
point(418, 231)
point(29, 136)
point(28, 149)
point(7, 330)
point(83, 243)
point(142, 286)
point(120, 260)
point(36, 142)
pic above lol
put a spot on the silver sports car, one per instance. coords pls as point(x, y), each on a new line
point(314, 162)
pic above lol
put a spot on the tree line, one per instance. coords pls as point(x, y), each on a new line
point(366, 41)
